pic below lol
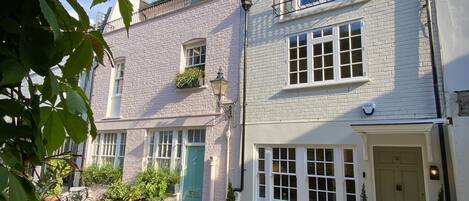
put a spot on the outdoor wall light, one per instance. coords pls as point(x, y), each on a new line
point(219, 86)
point(434, 172)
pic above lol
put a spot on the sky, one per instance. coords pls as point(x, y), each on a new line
point(86, 6)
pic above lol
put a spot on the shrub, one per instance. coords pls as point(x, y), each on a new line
point(117, 191)
point(230, 195)
point(105, 175)
point(189, 78)
point(51, 181)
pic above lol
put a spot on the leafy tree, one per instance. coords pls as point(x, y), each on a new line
point(35, 36)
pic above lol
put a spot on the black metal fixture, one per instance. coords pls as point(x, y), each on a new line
point(434, 172)
point(246, 4)
point(219, 86)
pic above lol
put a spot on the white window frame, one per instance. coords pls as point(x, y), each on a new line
point(302, 172)
point(114, 98)
point(319, 2)
point(336, 57)
point(109, 149)
point(193, 46)
point(175, 132)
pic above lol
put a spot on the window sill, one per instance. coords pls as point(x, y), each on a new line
point(111, 118)
point(319, 9)
point(327, 83)
point(193, 88)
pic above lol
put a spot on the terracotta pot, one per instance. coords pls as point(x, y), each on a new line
point(52, 198)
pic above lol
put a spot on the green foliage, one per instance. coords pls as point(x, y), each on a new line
point(36, 36)
point(117, 191)
point(51, 181)
point(189, 78)
point(363, 196)
point(151, 184)
point(104, 175)
point(230, 195)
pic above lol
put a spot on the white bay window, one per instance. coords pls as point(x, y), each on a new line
point(315, 173)
point(326, 56)
point(109, 148)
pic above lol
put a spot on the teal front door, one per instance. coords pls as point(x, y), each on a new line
point(193, 174)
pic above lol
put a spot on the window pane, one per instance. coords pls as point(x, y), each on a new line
point(331, 184)
point(344, 44)
point(310, 154)
point(328, 74)
point(343, 30)
point(321, 184)
point(319, 154)
point(349, 170)
point(348, 155)
point(293, 54)
point(262, 191)
point(345, 71)
point(317, 34)
point(277, 193)
point(328, 61)
point(302, 39)
point(302, 52)
point(291, 167)
point(261, 178)
point(261, 165)
point(276, 153)
point(291, 154)
point(331, 197)
point(318, 75)
point(311, 168)
point(293, 181)
point(357, 56)
point(276, 166)
point(312, 183)
point(329, 169)
point(345, 58)
point(277, 180)
point(303, 77)
point(317, 49)
point(329, 155)
point(327, 31)
point(355, 28)
point(317, 62)
point(356, 42)
point(261, 153)
point(293, 66)
point(350, 186)
point(293, 41)
point(312, 196)
point(357, 70)
point(328, 48)
point(351, 198)
point(303, 64)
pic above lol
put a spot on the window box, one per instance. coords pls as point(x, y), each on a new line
point(192, 77)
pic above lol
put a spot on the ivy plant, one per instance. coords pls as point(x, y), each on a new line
point(36, 36)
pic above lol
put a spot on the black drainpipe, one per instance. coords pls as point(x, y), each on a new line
point(246, 4)
point(436, 90)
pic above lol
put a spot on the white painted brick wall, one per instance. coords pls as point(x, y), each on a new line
point(152, 53)
point(398, 59)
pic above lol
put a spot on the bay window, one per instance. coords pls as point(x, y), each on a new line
point(329, 173)
point(109, 148)
point(326, 55)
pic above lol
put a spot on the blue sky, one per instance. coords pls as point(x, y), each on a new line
point(86, 5)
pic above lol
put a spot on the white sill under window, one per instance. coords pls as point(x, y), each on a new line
point(327, 83)
point(319, 9)
point(193, 88)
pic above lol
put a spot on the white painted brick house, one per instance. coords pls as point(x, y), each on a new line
point(144, 120)
point(311, 67)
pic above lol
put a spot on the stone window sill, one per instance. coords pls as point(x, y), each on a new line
point(327, 83)
point(193, 88)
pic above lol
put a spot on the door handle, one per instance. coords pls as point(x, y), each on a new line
point(398, 187)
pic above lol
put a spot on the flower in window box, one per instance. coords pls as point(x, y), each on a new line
point(190, 78)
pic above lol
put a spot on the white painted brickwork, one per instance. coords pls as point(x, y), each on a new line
point(152, 58)
point(396, 53)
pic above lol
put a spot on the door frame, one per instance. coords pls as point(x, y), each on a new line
point(424, 165)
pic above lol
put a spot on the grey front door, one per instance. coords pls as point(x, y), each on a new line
point(398, 174)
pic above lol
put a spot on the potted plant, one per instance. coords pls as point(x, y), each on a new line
point(191, 77)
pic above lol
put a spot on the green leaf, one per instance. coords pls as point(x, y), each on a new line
point(80, 59)
point(97, 47)
point(75, 103)
point(50, 88)
point(10, 132)
point(11, 107)
point(99, 36)
point(89, 113)
point(95, 2)
point(126, 10)
point(11, 158)
point(11, 72)
point(76, 127)
point(20, 188)
point(50, 17)
point(54, 132)
point(3, 175)
point(44, 115)
point(84, 20)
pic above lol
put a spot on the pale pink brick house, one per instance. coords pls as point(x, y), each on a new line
point(144, 120)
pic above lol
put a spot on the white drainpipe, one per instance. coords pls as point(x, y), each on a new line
point(213, 164)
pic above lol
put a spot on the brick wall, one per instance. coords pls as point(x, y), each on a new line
point(396, 53)
point(152, 54)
